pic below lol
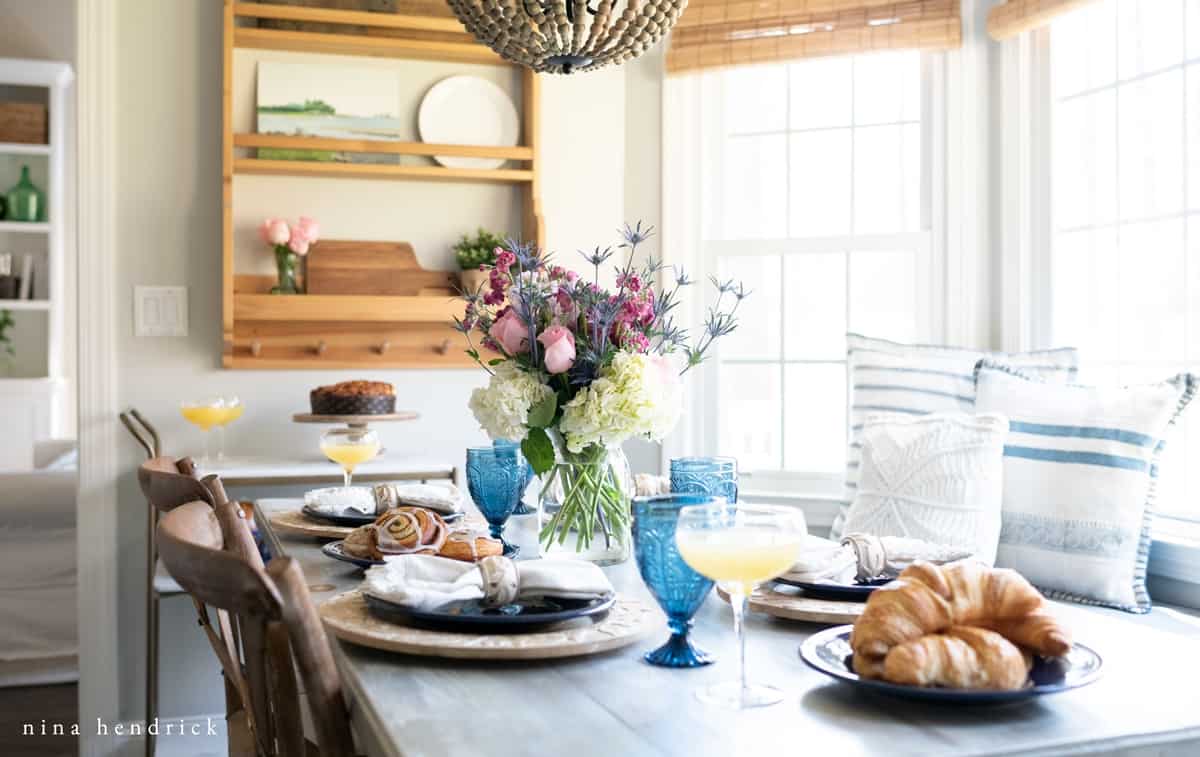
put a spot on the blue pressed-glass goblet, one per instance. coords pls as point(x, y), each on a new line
point(677, 588)
point(496, 481)
point(705, 475)
point(513, 449)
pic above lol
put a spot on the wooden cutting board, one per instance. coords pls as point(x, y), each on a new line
point(375, 268)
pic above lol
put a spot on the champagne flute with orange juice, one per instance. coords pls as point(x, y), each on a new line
point(350, 448)
point(204, 414)
point(740, 546)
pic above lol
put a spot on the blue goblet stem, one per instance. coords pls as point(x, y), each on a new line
point(679, 652)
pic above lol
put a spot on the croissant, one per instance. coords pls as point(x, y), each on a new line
point(963, 657)
point(1039, 631)
point(927, 598)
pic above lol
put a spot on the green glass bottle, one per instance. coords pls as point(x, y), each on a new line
point(25, 201)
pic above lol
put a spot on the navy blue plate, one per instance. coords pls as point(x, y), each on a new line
point(855, 592)
point(337, 551)
point(829, 652)
point(469, 616)
point(359, 519)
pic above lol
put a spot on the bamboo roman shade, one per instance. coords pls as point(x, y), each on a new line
point(719, 33)
point(1013, 17)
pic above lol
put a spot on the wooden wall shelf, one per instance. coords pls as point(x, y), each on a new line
point(378, 171)
point(345, 308)
point(264, 331)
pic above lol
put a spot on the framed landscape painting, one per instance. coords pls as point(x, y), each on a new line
point(341, 102)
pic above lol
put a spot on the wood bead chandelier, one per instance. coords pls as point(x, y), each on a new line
point(568, 36)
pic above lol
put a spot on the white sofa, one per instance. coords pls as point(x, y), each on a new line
point(38, 626)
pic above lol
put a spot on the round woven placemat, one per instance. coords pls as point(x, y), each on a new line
point(296, 523)
point(791, 604)
point(347, 617)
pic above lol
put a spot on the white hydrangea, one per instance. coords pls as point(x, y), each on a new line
point(502, 408)
point(636, 395)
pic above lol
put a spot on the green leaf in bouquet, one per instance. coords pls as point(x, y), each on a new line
point(495, 361)
point(541, 415)
point(538, 450)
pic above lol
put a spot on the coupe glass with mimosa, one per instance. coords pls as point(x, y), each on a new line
point(350, 448)
point(203, 414)
point(231, 409)
point(739, 546)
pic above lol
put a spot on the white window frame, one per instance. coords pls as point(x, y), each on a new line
point(950, 189)
point(1025, 242)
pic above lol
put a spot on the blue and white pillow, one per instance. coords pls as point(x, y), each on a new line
point(889, 378)
point(1080, 471)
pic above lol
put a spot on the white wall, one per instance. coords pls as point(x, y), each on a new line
point(45, 30)
point(169, 225)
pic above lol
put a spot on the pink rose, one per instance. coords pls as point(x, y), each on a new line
point(308, 229)
point(560, 348)
point(274, 231)
point(511, 333)
point(298, 245)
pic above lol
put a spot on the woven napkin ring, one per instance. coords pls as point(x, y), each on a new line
point(500, 580)
point(869, 553)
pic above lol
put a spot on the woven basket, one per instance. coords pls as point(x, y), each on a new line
point(23, 122)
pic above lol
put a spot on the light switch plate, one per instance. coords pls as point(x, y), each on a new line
point(160, 311)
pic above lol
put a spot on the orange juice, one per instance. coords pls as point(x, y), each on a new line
point(230, 413)
point(350, 455)
point(205, 416)
point(742, 555)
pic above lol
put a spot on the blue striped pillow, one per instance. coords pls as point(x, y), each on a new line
point(917, 379)
point(1080, 472)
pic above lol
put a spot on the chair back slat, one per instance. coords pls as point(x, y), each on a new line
point(285, 702)
point(166, 487)
point(314, 657)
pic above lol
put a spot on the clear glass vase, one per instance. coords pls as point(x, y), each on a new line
point(586, 506)
point(286, 263)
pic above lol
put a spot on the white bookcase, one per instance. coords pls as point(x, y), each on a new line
point(40, 392)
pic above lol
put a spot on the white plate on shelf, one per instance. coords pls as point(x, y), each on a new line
point(467, 110)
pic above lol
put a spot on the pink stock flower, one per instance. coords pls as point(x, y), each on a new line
point(629, 281)
point(510, 332)
point(307, 229)
point(504, 260)
point(635, 340)
point(560, 348)
point(274, 231)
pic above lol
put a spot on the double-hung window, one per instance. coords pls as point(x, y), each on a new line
point(815, 193)
point(1124, 226)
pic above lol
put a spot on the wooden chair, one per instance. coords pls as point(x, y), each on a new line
point(166, 484)
point(266, 627)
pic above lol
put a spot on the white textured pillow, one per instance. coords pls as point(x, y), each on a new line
point(1080, 469)
point(918, 379)
point(936, 478)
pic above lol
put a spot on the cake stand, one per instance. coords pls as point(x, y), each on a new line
point(356, 421)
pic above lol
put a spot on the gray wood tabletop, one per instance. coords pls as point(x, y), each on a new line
point(1147, 702)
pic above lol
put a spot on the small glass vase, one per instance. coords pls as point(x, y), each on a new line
point(286, 263)
point(25, 201)
point(586, 500)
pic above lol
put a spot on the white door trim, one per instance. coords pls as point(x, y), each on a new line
point(96, 514)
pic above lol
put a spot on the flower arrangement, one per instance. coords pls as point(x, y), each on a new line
point(579, 369)
point(290, 243)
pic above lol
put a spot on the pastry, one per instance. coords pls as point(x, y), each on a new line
point(417, 531)
point(410, 530)
point(353, 398)
point(929, 599)
point(470, 547)
point(963, 657)
point(1039, 631)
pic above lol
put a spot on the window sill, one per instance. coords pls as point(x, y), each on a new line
point(1175, 557)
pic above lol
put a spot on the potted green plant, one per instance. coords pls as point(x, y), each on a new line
point(475, 255)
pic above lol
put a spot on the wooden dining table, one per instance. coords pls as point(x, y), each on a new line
point(615, 705)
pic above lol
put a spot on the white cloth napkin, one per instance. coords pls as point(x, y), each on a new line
point(425, 582)
point(337, 500)
point(444, 499)
point(866, 557)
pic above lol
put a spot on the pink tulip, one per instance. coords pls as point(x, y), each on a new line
point(560, 348)
point(308, 229)
point(274, 231)
point(511, 333)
